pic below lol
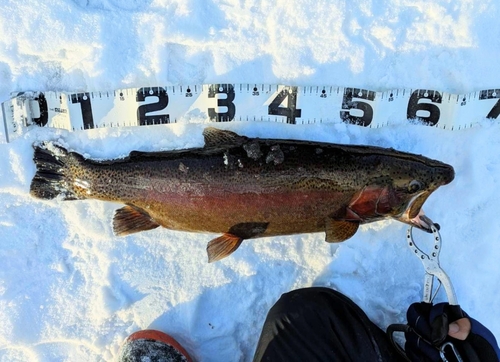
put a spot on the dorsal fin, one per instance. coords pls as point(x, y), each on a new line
point(218, 138)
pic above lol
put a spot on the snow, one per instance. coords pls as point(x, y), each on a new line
point(71, 291)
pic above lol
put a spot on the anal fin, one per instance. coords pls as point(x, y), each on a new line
point(130, 219)
point(340, 230)
point(222, 246)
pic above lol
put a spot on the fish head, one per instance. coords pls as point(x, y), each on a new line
point(397, 187)
point(414, 180)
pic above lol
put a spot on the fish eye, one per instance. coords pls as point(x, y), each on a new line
point(415, 186)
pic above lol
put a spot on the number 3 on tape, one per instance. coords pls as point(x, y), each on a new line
point(225, 101)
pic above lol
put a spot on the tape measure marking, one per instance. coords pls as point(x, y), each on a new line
point(148, 106)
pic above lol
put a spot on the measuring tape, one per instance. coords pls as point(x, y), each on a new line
point(148, 106)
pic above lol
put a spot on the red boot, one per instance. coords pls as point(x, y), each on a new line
point(153, 346)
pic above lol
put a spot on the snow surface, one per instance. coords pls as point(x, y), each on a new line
point(71, 291)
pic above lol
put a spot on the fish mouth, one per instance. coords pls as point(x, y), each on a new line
point(414, 215)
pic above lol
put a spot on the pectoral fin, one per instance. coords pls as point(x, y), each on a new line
point(130, 219)
point(222, 246)
point(340, 230)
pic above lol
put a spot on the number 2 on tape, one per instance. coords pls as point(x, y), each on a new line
point(142, 111)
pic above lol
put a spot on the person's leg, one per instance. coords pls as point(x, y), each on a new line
point(320, 324)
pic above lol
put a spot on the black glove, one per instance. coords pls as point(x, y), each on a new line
point(428, 331)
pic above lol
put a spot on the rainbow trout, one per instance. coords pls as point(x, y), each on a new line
point(247, 188)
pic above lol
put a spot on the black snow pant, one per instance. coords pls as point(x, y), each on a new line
point(320, 324)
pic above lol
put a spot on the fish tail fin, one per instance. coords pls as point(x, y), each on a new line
point(53, 177)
